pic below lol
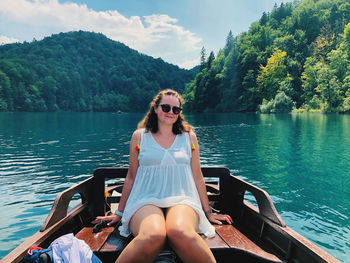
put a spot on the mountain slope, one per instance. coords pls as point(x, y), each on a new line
point(298, 55)
point(82, 71)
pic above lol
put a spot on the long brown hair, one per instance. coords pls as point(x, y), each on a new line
point(150, 121)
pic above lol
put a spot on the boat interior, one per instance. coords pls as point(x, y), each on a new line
point(258, 234)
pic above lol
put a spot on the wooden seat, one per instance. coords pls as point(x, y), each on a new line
point(94, 240)
point(235, 240)
point(227, 237)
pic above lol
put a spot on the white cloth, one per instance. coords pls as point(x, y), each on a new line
point(69, 249)
point(164, 178)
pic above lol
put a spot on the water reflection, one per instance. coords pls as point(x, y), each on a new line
point(302, 160)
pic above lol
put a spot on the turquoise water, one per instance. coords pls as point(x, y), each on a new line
point(302, 160)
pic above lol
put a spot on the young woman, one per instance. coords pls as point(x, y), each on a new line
point(164, 196)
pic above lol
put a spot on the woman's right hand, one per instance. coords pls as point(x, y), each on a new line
point(112, 219)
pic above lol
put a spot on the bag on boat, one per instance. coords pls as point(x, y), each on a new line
point(65, 249)
point(38, 255)
point(70, 249)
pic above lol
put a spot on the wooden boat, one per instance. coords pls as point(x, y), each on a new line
point(257, 235)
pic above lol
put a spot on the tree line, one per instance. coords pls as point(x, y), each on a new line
point(295, 57)
point(82, 71)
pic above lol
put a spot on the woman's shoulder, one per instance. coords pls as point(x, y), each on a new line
point(137, 133)
point(191, 135)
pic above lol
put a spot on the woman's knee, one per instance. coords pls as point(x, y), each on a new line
point(152, 237)
point(156, 236)
point(180, 235)
point(181, 224)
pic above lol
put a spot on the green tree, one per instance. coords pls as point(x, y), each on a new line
point(338, 62)
point(329, 89)
point(346, 87)
point(271, 75)
point(203, 58)
point(6, 98)
point(347, 38)
point(324, 43)
point(210, 59)
point(251, 98)
point(264, 18)
point(309, 82)
point(48, 90)
point(229, 43)
point(280, 104)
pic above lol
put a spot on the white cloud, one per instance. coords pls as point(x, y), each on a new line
point(7, 40)
point(189, 63)
point(155, 35)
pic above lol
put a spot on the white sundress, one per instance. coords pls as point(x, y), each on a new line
point(164, 178)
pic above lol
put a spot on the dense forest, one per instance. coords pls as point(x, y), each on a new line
point(295, 57)
point(82, 71)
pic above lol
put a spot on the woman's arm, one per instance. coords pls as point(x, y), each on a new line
point(200, 184)
point(197, 174)
point(129, 179)
point(133, 166)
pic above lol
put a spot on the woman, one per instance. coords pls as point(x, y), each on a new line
point(164, 195)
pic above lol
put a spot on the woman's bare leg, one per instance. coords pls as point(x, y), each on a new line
point(181, 225)
point(148, 227)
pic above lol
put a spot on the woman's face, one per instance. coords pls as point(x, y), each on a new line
point(167, 117)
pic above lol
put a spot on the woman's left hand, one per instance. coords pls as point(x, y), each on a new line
point(111, 220)
point(218, 218)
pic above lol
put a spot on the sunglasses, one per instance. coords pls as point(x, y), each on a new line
point(167, 108)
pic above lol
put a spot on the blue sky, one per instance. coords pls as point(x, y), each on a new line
point(174, 30)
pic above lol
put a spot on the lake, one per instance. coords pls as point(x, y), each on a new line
point(302, 160)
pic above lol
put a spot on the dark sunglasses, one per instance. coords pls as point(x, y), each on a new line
point(167, 108)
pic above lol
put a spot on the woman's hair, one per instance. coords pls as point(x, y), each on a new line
point(150, 121)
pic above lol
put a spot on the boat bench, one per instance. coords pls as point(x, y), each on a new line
point(228, 241)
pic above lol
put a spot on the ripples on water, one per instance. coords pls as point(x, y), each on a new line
point(43, 154)
point(303, 161)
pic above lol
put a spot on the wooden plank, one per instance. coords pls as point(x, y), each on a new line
point(94, 240)
point(216, 242)
point(235, 239)
point(309, 247)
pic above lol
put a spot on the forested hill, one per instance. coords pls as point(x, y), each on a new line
point(82, 71)
point(296, 56)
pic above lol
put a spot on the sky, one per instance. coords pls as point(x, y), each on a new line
point(174, 30)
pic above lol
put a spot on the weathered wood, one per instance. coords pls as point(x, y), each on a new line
point(298, 248)
point(94, 240)
point(216, 242)
point(309, 248)
point(236, 240)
